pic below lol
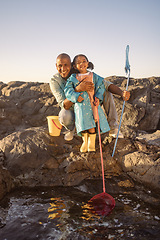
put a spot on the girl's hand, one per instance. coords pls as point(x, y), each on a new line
point(96, 101)
point(80, 98)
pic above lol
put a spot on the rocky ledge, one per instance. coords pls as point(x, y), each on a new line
point(30, 157)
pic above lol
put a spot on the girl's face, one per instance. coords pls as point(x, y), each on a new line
point(81, 64)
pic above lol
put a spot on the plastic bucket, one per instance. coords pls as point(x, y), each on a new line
point(54, 125)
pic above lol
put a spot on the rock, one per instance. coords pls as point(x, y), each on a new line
point(34, 158)
point(151, 139)
point(30, 157)
point(142, 111)
point(142, 167)
point(6, 182)
point(24, 105)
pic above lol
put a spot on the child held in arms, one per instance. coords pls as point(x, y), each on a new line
point(86, 102)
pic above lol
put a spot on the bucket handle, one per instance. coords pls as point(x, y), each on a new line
point(56, 125)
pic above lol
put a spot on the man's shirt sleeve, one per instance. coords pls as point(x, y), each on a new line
point(107, 84)
point(58, 91)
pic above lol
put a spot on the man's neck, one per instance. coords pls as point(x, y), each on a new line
point(66, 77)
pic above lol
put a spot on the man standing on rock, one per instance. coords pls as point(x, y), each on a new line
point(66, 115)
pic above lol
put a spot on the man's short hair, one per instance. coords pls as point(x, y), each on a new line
point(63, 55)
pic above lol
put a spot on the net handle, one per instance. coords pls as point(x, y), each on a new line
point(100, 145)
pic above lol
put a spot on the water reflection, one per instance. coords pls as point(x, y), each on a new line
point(57, 209)
point(88, 212)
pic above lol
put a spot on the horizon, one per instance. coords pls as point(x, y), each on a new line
point(113, 76)
point(34, 33)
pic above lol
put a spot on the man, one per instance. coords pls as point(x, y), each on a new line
point(66, 115)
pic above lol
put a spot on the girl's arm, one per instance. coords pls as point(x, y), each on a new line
point(70, 92)
point(99, 87)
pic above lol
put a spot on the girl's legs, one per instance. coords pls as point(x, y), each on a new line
point(84, 146)
point(91, 140)
point(88, 138)
point(92, 130)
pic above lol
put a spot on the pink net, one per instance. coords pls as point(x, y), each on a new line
point(102, 203)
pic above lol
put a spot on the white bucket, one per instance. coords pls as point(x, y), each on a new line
point(54, 125)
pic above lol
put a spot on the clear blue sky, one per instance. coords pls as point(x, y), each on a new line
point(34, 32)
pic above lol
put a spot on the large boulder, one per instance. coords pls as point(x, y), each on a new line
point(24, 105)
point(34, 158)
point(142, 111)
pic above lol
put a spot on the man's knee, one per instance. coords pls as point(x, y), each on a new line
point(66, 117)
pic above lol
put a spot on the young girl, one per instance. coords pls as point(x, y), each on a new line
point(86, 102)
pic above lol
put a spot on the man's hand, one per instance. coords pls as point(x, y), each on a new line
point(84, 86)
point(67, 104)
point(126, 95)
point(80, 98)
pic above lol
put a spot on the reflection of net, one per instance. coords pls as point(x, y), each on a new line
point(88, 212)
point(89, 78)
point(102, 203)
point(57, 208)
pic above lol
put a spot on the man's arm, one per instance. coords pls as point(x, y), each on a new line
point(67, 104)
point(57, 92)
point(84, 86)
point(116, 90)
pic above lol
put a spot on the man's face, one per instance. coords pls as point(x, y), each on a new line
point(63, 66)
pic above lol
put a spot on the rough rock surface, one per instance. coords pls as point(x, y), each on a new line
point(30, 157)
point(34, 158)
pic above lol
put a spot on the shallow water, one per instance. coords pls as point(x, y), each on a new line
point(64, 213)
